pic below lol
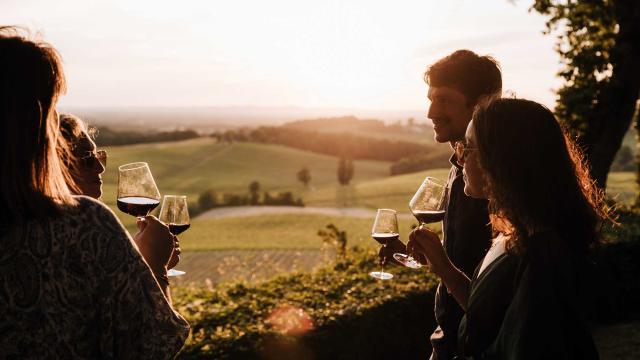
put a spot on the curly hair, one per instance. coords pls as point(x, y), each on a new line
point(537, 180)
point(72, 131)
point(473, 75)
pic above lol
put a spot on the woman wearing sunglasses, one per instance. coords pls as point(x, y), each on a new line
point(525, 298)
point(79, 153)
point(72, 282)
point(85, 165)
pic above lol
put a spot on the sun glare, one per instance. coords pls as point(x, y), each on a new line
point(355, 54)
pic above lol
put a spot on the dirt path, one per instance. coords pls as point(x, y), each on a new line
point(242, 211)
point(218, 266)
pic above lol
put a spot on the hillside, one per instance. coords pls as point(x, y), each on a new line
point(193, 166)
point(422, 133)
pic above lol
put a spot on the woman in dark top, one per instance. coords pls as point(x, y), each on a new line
point(525, 298)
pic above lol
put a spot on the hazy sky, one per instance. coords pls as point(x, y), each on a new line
point(348, 53)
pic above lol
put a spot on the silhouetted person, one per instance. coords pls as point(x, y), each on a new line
point(457, 83)
point(72, 282)
point(525, 300)
point(85, 164)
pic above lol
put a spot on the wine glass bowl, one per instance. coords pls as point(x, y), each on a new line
point(175, 213)
point(385, 229)
point(428, 206)
point(138, 194)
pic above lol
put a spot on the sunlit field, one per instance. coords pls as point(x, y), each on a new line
point(190, 167)
point(281, 231)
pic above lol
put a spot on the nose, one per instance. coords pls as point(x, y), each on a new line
point(99, 167)
point(431, 112)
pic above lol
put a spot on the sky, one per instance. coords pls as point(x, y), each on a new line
point(281, 53)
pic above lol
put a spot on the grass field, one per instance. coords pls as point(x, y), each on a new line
point(392, 192)
point(622, 187)
point(190, 167)
point(280, 231)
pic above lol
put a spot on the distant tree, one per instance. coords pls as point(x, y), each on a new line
point(235, 200)
point(410, 122)
point(599, 46)
point(207, 200)
point(350, 170)
point(304, 176)
point(254, 193)
point(345, 170)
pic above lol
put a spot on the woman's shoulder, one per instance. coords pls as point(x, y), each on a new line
point(89, 207)
point(92, 219)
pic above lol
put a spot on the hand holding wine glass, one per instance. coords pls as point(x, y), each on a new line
point(428, 206)
point(175, 213)
point(155, 243)
point(385, 229)
point(427, 243)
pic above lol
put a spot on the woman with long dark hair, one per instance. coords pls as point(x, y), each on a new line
point(72, 282)
point(525, 299)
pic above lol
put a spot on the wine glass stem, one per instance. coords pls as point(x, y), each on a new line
point(384, 258)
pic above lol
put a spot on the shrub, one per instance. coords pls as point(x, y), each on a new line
point(353, 315)
point(357, 317)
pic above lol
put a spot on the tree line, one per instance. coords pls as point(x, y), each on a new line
point(333, 144)
point(210, 199)
point(105, 136)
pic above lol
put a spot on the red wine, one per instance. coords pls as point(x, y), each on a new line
point(178, 228)
point(137, 206)
point(428, 217)
point(383, 238)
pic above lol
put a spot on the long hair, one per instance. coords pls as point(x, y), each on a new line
point(537, 179)
point(32, 184)
point(72, 131)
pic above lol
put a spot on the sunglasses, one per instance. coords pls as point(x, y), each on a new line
point(91, 159)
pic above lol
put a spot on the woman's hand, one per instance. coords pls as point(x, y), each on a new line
point(424, 242)
point(385, 255)
point(155, 242)
point(175, 255)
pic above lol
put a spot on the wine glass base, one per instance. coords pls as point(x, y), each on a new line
point(407, 261)
point(381, 275)
point(174, 272)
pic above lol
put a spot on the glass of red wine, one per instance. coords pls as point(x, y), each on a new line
point(427, 205)
point(175, 213)
point(137, 191)
point(385, 229)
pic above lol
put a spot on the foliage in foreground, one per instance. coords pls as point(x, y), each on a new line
point(341, 313)
point(337, 312)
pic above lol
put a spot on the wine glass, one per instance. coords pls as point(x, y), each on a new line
point(428, 206)
point(175, 213)
point(385, 228)
point(137, 191)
